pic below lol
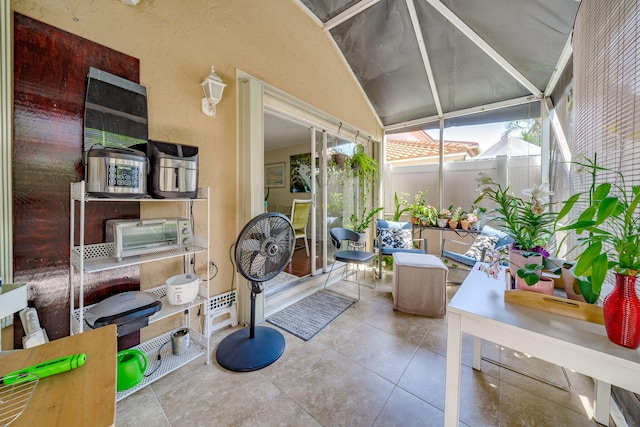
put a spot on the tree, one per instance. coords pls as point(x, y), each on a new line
point(529, 130)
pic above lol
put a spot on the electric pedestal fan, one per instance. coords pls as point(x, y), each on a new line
point(264, 247)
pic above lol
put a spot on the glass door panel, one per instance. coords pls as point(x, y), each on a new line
point(340, 190)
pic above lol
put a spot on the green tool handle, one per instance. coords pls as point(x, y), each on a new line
point(45, 369)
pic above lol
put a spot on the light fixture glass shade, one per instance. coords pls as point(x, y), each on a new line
point(213, 86)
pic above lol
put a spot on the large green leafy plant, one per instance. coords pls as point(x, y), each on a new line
point(609, 230)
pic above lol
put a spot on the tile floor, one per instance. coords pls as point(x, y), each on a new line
point(371, 366)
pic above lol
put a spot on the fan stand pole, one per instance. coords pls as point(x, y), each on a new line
point(263, 248)
point(252, 329)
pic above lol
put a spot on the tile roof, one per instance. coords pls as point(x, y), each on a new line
point(419, 145)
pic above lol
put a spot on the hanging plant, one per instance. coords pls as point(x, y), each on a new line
point(364, 167)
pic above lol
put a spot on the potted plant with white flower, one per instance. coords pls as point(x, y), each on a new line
point(528, 221)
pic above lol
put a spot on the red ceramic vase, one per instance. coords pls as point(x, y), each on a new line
point(621, 309)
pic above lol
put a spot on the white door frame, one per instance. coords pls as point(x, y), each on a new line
point(254, 96)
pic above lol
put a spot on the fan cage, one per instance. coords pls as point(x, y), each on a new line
point(264, 247)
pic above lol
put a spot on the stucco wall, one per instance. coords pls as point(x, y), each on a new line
point(178, 41)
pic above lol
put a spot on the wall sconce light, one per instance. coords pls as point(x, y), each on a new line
point(213, 87)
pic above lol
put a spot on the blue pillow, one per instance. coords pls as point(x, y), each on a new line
point(503, 237)
point(383, 223)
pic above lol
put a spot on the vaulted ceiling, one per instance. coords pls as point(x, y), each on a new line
point(419, 60)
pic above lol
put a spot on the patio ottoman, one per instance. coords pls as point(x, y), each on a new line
point(419, 284)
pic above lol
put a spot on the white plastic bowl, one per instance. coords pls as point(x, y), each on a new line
point(182, 289)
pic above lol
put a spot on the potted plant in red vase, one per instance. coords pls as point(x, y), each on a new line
point(609, 236)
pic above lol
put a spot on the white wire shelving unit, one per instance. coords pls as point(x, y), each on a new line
point(94, 258)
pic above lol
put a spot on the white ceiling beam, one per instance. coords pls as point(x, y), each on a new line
point(565, 55)
point(464, 112)
point(357, 8)
point(425, 56)
point(559, 132)
point(486, 48)
point(411, 123)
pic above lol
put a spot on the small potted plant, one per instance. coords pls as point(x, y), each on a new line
point(481, 215)
point(455, 217)
point(429, 216)
point(423, 219)
point(417, 208)
point(528, 275)
point(443, 217)
point(360, 224)
point(467, 220)
point(530, 278)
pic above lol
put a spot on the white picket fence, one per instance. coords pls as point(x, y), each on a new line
point(459, 180)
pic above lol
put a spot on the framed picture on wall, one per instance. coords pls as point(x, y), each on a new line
point(300, 170)
point(274, 175)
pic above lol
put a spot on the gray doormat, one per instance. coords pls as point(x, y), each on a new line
point(310, 315)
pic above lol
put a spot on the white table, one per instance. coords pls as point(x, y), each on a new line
point(478, 309)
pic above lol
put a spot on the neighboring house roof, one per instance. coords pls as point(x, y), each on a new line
point(511, 147)
point(418, 146)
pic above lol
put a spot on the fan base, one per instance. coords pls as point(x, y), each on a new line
point(239, 353)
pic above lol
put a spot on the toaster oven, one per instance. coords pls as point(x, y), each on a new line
point(132, 237)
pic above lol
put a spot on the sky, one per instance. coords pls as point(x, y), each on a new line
point(486, 134)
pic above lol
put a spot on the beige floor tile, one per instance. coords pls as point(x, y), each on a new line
point(436, 338)
point(141, 409)
point(167, 383)
point(334, 332)
point(405, 410)
point(217, 397)
point(425, 376)
point(298, 357)
point(521, 408)
point(479, 398)
point(371, 366)
point(385, 354)
point(281, 412)
point(338, 392)
point(408, 326)
point(579, 395)
point(436, 341)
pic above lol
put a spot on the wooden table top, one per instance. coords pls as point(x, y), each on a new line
point(85, 396)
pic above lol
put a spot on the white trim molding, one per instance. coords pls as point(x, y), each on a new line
point(6, 144)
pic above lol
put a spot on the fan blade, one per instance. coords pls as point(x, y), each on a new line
point(276, 263)
point(282, 237)
point(267, 228)
point(257, 267)
point(251, 245)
